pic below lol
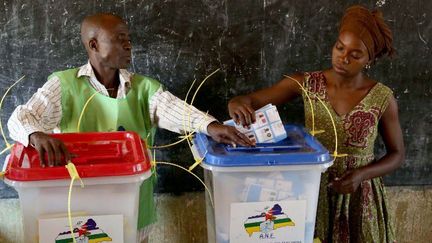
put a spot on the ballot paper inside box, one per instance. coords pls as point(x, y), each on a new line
point(268, 127)
point(267, 189)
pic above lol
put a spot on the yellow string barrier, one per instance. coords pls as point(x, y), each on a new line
point(178, 166)
point(8, 145)
point(83, 110)
point(198, 161)
point(185, 129)
point(187, 135)
point(153, 162)
point(182, 138)
point(2, 174)
point(313, 132)
point(85, 107)
point(335, 153)
point(73, 173)
point(199, 87)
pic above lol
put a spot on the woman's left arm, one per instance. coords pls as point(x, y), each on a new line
point(391, 133)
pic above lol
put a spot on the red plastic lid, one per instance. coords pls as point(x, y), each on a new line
point(98, 155)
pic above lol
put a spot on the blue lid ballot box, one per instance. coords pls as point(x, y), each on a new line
point(267, 193)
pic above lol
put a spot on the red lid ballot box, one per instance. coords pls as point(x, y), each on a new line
point(112, 167)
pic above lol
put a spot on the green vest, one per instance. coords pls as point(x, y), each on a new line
point(105, 114)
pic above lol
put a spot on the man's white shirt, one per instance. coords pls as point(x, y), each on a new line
point(43, 112)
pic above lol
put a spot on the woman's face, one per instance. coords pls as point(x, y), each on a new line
point(349, 55)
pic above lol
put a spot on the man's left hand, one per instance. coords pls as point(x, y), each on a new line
point(227, 134)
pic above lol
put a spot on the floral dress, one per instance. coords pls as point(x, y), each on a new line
point(362, 216)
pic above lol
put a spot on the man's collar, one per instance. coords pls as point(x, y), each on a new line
point(87, 70)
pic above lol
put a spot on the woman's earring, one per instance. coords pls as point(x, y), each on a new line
point(368, 66)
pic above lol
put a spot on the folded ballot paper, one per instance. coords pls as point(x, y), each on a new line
point(268, 127)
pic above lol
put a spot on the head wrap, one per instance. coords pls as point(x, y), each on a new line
point(370, 27)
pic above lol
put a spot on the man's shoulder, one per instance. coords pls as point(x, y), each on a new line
point(144, 79)
point(63, 73)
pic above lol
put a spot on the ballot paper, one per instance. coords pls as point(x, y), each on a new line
point(268, 127)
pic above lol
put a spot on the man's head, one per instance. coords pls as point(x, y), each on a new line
point(106, 39)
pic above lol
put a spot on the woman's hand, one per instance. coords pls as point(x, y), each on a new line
point(348, 183)
point(242, 108)
point(241, 111)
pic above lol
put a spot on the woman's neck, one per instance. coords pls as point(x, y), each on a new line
point(344, 82)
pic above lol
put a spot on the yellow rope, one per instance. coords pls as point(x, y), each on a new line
point(185, 129)
point(8, 146)
point(69, 209)
point(83, 110)
point(199, 87)
point(85, 107)
point(5, 150)
point(73, 173)
point(206, 188)
point(335, 153)
point(169, 145)
point(198, 161)
point(3, 173)
point(313, 132)
point(185, 137)
point(188, 135)
point(182, 138)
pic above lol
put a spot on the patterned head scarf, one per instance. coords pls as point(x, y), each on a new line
point(370, 27)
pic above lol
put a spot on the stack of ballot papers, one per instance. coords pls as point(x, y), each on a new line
point(268, 127)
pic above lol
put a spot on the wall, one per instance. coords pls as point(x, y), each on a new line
point(253, 43)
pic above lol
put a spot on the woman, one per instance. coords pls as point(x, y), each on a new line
point(352, 204)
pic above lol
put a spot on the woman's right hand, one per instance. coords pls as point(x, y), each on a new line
point(241, 111)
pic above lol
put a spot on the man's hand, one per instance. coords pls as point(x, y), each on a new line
point(348, 182)
point(57, 152)
point(227, 134)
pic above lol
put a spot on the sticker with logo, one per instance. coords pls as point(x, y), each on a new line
point(269, 222)
point(86, 229)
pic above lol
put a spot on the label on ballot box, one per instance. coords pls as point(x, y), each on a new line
point(269, 222)
point(86, 229)
point(268, 127)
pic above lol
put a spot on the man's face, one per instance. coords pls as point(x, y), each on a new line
point(114, 45)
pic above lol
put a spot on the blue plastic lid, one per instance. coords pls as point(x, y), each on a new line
point(299, 148)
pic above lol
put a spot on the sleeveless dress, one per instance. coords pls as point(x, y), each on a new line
point(362, 216)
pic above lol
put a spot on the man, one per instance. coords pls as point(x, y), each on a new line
point(123, 101)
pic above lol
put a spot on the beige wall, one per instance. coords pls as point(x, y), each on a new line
point(182, 218)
